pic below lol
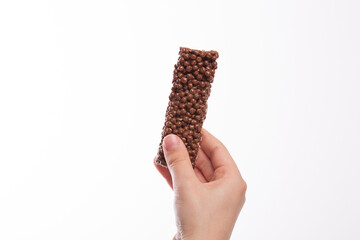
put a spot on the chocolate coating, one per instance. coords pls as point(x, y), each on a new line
point(186, 111)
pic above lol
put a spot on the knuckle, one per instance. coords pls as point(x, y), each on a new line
point(241, 192)
point(216, 148)
point(173, 162)
point(240, 187)
point(243, 186)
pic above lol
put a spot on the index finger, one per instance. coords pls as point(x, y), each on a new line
point(216, 151)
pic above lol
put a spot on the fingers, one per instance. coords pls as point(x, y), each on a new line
point(212, 163)
point(204, 170)
point(204, 164)
point(165, 173)
point(178, 161)
point(216, 151)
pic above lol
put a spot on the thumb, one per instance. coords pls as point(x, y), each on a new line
point(177, 159)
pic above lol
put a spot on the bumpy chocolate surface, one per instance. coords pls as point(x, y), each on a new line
point(186, 111)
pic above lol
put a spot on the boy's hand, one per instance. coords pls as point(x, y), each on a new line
point(208, 199)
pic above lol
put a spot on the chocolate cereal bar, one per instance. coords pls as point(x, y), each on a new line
point(186, 111)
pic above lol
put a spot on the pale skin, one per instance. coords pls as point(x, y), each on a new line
point(208, 199)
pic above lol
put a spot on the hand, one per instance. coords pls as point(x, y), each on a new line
point(208, 199)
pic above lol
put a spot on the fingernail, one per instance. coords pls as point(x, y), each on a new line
point(171, 142)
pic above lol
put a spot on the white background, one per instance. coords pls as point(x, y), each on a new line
point(84, 87)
